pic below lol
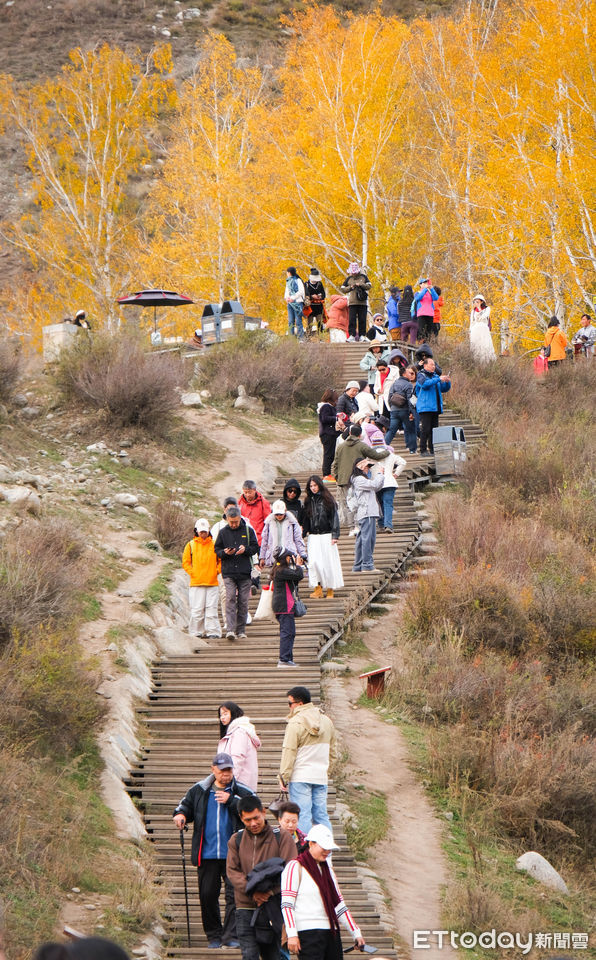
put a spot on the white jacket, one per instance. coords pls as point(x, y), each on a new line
point(394, 465)
point(391, 376)
point(302, 904)
point(367, 403)
point(294, 297)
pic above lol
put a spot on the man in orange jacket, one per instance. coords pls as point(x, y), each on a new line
point(202, 565)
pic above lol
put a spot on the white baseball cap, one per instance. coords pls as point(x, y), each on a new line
point(278, 507)
point(202, 525)
point(322, 835)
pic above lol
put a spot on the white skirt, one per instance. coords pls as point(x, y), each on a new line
point(481, 343)
point(324, 565)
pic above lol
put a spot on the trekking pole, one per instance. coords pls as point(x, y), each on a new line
point(185, 884)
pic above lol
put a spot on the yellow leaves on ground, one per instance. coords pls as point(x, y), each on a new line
point(460, 147)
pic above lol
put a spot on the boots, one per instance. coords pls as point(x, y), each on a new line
point(317, 592)
point(330, 594)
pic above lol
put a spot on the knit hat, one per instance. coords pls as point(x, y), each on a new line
point(479, 297)
point(202, 525)
point(354, 268)
point(378, 316)
point(314, 272)
point(278, 506)
point(351, 384)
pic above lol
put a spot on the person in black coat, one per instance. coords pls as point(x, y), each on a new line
point(321, 526)
point(347, 403)
point(211, 805)
point(315, 292)
point(328, 433)
point(287, 574)
point(291, 498)
point(236, 543)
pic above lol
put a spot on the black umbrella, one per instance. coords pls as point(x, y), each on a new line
point(155, 299)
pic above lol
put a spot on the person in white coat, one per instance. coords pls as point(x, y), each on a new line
point(384, 377)
point(239, 739)
point(363, 501)
point(394, 465)
point(294, 297)
point(481, 342)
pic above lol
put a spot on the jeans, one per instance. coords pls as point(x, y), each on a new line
point(402, 416)
point(312, 800)
point(287, 635)
point(345, 514)
point(237, 597)
point(329, 442)
point(250, 948)
point(295, 318)
point(387, 497)
point(409, 329)
point(427, 422)
point(365, 545)
point(357, 313)
point(211, 874)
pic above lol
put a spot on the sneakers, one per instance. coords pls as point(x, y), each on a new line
point(286, 663)
point(214, 945)
point(231, 943)
point(354, 532)
point(213, 636)
point(351, 340)
point(240, 636)
point(329, 479)
point(230, 635)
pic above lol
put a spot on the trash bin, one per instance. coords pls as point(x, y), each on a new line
point(56, 336)
point(445, 442)
point(232, 319)
point(211, 323)
point(460, 455)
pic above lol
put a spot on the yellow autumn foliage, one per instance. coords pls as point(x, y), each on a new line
point(460, 147)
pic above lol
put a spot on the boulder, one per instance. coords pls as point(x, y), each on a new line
point(99, 447)
point(19, 400)
point(142, 511)
point(541, 870)
point(31, 413)
point(252, 404)
point(21, 497)
point(205, 394)
point(191, 400)
point(6, 475)
point(126, 499)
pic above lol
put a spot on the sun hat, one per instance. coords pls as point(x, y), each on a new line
point(322, 835)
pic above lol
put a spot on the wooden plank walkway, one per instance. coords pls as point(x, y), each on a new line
point(180, 715)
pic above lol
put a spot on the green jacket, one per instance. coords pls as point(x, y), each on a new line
point(346, 455)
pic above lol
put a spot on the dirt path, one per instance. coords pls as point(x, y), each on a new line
point(410, 860)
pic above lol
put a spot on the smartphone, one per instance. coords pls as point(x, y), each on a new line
point(365, 949)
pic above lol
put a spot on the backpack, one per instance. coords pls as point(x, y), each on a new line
point(352, 499)
point(361, 294)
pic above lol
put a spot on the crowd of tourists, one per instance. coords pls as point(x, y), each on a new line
point(280, 890)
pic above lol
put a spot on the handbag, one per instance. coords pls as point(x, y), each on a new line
point(547, 351)
point(265, 606)
point(281, 797)
point(299, 606)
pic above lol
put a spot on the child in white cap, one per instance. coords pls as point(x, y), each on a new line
point(202, 565)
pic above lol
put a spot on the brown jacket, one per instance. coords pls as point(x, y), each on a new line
point(349, 285)
point(255, 849)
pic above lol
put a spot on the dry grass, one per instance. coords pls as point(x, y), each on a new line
point(41, 571)
point(172, 526)
point(282, 372)
point(496, 648)
point(115, 375)
point(10, 368)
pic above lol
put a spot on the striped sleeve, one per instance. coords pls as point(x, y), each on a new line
point(290, 882)
point(343, 914)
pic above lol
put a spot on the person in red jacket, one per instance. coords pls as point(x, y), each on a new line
point(439, 304)
point(254, 507)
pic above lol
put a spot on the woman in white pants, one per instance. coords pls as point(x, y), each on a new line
point(202, 565)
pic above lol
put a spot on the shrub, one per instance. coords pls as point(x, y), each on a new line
point(285, 374)
point(10, 368)
point(172, 526)
point(117, 376)
point(40, 574)
point(49, 698)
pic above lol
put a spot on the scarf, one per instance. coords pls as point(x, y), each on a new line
point(324, 882)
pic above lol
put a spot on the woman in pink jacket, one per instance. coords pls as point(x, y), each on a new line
point(337, 319)
point(239, 739)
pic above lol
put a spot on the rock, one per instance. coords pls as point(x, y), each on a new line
point(31, 413)
point(75, 889)
point(6, 475)
point(126, 443)
point(126, 499)
point(66, 464)
point(142, 511)
point(252, 404)
point(205, 394)
point(331, 666)
point(19, 400)
point(112, 648)
point(125, 593)
point(153, 545)
point(448, 815)
point(541, 870)
point(191, 400)
point(105, 502)
point(241, 390)
point(21, 497)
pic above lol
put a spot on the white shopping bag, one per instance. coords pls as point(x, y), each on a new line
point(265, 607)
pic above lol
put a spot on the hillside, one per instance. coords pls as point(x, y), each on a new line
point(36, 36)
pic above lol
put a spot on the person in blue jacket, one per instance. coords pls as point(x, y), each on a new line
point(429, 389)
point(392, 307)
point(422, 311)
